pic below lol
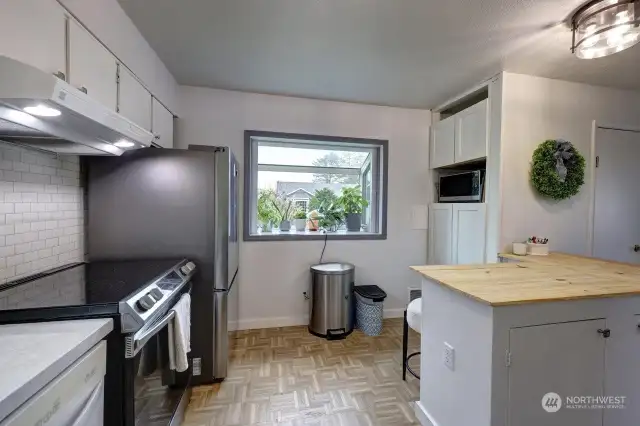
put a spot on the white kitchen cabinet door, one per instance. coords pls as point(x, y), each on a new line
point(471, 133)
point(468, 233)
point(566, 359)
point(443, 143)
point(92, 67)
point(440, 237)
point(33, 32)
point(162, 125)
point(134, 101)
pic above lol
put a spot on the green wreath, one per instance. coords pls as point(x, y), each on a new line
point(557, 169)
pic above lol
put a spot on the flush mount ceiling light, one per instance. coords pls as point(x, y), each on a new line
point(604, 27)
point(42, 111)
point(124, 144)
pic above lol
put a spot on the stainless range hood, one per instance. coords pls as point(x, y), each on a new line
point(41, 111)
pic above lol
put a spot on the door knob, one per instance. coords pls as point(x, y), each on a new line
point(636, 248)
point(605, 333)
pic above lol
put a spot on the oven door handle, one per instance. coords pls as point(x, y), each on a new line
point(135, 343)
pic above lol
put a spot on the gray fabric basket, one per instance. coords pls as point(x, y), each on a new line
point(368, 316)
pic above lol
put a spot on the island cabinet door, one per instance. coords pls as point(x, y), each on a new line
point(566, 359)
point(440, 234)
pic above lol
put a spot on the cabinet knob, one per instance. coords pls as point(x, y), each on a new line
point(605, 333)
point(60, 75)
point(157, 137)
point(636, 248)
point(83, 90)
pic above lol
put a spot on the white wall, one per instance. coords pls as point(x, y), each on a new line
point(535, 109)
point(274, 274)
point(109, 23)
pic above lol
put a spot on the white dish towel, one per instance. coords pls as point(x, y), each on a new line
point(180, 334)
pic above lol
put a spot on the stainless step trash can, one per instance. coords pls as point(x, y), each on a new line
point(332, 307)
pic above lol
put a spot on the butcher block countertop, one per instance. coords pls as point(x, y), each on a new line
point(535, 279)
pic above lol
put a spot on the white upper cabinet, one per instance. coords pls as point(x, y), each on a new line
point(442, 143)
point(134, 101)
point(92, 68)
point(461, 137)
point(33, 32)
point(471, 133)
point(468, 233)
point(162, 125)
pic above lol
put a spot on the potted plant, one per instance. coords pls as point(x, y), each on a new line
point(267, 214)
point(332, 216)
point(300, 220)
point(353, 202)
point(285, 208)
point(314, 218)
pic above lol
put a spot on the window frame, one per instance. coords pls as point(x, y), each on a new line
point(379, 185)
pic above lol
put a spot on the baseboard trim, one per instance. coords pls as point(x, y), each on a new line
point(423, 415)
point(256, 323)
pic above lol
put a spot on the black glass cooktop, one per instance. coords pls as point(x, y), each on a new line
point(93, 283)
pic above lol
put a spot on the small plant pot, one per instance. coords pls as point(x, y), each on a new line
point(313, 224)
point(300, 224)
point(266, 227)
point(285, 226)
point(520, 249)
point(354, 222)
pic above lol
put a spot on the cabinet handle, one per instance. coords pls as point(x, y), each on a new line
point(60, 75)
point(157, 137)
point(636, 248)
point(605, 333)
point(83, 90)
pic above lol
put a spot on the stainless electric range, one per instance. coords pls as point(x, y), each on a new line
point(138, 295)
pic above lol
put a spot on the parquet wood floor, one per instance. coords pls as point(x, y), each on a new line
point(288, 377)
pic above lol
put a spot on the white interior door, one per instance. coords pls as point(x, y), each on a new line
point(617, 196)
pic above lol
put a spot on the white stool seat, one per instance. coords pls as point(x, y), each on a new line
point(414, 314)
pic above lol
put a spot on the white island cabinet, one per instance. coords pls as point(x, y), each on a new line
point(552, 340)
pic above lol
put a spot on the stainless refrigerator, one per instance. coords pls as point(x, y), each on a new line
point(168, 203)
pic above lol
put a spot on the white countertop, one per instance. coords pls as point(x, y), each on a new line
point(31, 355)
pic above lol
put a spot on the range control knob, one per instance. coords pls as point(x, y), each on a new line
point(191, 266)
point(156, 294)
point(145, 303)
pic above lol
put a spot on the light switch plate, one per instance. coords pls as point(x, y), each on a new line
point(448, 356)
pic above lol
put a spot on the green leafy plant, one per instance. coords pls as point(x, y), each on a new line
point(352, 200)
point(322, 196)
point(545, 178)
point(331, 216)
point(267, 213)
point(284, 206)
point(300, 214)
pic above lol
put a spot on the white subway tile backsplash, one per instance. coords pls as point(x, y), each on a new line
point(13, 218)
point(41, 212)
point(30, 197)
point(6, 207)
point(22, 207)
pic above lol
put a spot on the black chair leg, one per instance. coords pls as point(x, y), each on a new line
point(405, 346)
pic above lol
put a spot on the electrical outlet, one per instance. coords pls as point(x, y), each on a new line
point(448, 356)
point(197, 366)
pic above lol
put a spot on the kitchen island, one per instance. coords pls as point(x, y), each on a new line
point(497, 338)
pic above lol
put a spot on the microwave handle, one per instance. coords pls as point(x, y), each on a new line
point(133, 344)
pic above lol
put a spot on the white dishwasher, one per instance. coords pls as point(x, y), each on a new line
point(73, 398)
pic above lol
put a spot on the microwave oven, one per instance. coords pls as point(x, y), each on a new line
point(463, 187)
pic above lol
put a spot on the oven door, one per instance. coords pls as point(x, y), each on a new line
point(153, 395)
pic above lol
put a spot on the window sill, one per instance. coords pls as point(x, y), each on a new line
point(313, 235)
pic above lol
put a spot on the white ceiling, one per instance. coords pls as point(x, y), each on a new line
point(408, 53)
